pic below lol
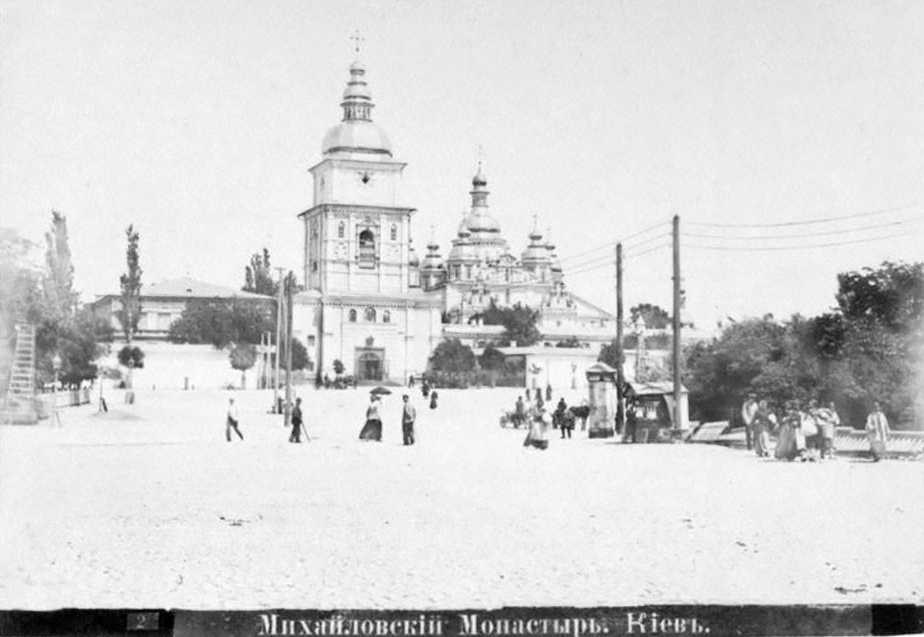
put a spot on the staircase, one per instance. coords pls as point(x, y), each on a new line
point(19, 405)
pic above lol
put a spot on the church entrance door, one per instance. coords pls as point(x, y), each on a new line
point(369, 364)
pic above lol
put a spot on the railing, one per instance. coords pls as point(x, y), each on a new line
point(901, 442)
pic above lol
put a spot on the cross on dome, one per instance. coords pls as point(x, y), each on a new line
point(357, 41)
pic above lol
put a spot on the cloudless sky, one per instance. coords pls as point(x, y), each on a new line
point(197, 120)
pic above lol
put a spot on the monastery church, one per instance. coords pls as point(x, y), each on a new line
point(373, 303)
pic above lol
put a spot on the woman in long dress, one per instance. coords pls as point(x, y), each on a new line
point(538, 436)
point(372, 430)
point(787, 445)
point(877, 432)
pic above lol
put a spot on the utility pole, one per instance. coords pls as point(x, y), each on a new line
point(620, 378)
point(288, 342)
point(278, 335)
point(676, 322)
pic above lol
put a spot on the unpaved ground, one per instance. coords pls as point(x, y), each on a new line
point(149, 506)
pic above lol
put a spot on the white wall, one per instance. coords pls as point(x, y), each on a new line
point(166, 365)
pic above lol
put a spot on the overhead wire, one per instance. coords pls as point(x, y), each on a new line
point(792, 247)
point(611, 244)
point(805, 222)
point(800, 235)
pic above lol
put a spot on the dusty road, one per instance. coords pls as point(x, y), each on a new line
point(149, 506)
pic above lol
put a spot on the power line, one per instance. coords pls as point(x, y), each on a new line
point(870, 213)
point(792, 247)
point(608, 261)
point(609, 257)
point(611, 244)
point(801, 234)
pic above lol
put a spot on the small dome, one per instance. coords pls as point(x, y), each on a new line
point(463, 230)
point(358, 136)
point(535, 253)
point(481, 222)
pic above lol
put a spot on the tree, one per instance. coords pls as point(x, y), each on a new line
point(519, 323)
point(243, 356)
point(300, 358)
point(491, 359)
point(58, 285)
point(570, 342)
point(131, 356)
point(130, 286)
point(654, 316)
point(452, 356)
point(222, 323)
point(258, 275)
point(611, 354)
point(338, 367)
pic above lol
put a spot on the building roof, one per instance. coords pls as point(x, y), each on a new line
point(186, 287)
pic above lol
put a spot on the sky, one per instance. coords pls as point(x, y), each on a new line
point(196, 121)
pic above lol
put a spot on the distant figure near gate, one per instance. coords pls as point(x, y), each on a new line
point(748, 412)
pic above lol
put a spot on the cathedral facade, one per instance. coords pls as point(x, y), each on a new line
point(371, 303)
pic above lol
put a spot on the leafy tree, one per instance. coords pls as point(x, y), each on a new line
point(611, 354)
point(338, 366)
point(654, 316)
point(58, 286)
point(519, 323)
point(452, 356)
point(130, 285)
point(222, 323)
point(258, 275)
point(571, 341)
point(491, 359)
point(300, 357)
point(243, 356)
point(131, 356)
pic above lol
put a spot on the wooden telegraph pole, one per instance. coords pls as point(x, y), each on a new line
point(276, 364)
point(288, 344)
point(620, 378)
point(676, 322)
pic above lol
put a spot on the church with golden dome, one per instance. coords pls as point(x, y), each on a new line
point(372, 303)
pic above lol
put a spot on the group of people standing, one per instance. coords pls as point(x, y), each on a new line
point(372, 429)
point(806, 431)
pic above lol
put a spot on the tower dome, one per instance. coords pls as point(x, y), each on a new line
point(357, 133)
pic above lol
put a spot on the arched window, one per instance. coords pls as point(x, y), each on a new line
point(366, 249)
point(386, 316)
point(394, 232)
point(370, 314)
point(341, 230)
point(352, 316)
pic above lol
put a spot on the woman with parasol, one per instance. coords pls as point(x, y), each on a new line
point(372, 430)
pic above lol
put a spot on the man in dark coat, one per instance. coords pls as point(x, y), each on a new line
point(408, 416)
point(296, 417)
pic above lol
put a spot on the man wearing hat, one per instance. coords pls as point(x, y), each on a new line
point(408, 416)
point(748, 411)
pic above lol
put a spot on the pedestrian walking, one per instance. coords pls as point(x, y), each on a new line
point(296, 417)
point(425, 388)
point(372, 430)
point(548, 393)
point(408, 416)
point(232, 421)
point(877, 431)
point(433, 397)
point(519, 413)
